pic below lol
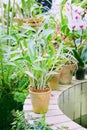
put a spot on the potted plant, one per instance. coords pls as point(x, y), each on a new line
point(68, 67)
point(41, 67)
point(39, 73)
point(73, 31)
point(39, 58)
point(81, 56)
point(67, 61)
point(30, 13)
point(54, 80)
point(24, 12)
point(77, 28)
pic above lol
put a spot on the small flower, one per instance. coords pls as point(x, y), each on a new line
point(64, 10)
point(68, 6)
point(72, 25)
point(82, 24)
point(85, 18)
point(78, 10)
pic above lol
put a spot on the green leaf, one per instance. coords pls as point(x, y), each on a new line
point(40, 59)
point(84, 54)
point(28, 28)
point(78, 57)
point(36, 67)
point(30, 74)
point(51, 73)
point(23, 4)
point(8, 37)
point(46, 33)
point(31, 48)
point(10, 63)
point(17, 58)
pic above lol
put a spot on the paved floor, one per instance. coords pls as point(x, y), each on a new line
point(54, 117)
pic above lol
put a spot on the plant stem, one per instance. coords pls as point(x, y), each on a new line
point(2, 67)
point(74, 40)
point(75, 43)
point(2, 17)
point(12, 13)
point(8, 18)
point(81, 38)
point(61, 9)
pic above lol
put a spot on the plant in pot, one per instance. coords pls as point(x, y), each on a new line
point(50, 23)
point(68, 67)
point(40, 71)
point(30, 12)
point(54, 80)
point(82, 61)
point(74, 28)
point(39, 58)
point(24, 12)
point(67, 61)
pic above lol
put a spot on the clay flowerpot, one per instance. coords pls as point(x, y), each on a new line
point(34, 22)
point(54, 81)
point(80, 73)
point(40, 100)
point(66, 73)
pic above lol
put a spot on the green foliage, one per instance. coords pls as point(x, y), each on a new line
point(13, 84)
point(37, 54)
point(84, 54)
point(64, 128)
point(84, 4)
point(21, 124)
point(74, 40)
point(29, 8)
point(81, 56)
point(39, 124)
point(20, 92)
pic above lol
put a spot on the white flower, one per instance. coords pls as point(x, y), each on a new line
point(72, 24)
point(75, 16)
point(55, 9)
point(82, 24)
point(85, 18)
point(78, 10)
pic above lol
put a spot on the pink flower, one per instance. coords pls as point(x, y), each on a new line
point(68, 5)
point(72, 25)
point(82, 24)
point(78, 10)
point(75, 14)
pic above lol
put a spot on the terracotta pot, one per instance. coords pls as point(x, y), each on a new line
point(54, 81)
point(66, 73)
point(40, 100)
point(34, 22)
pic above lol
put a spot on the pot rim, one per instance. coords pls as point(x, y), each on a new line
point(47, 90)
